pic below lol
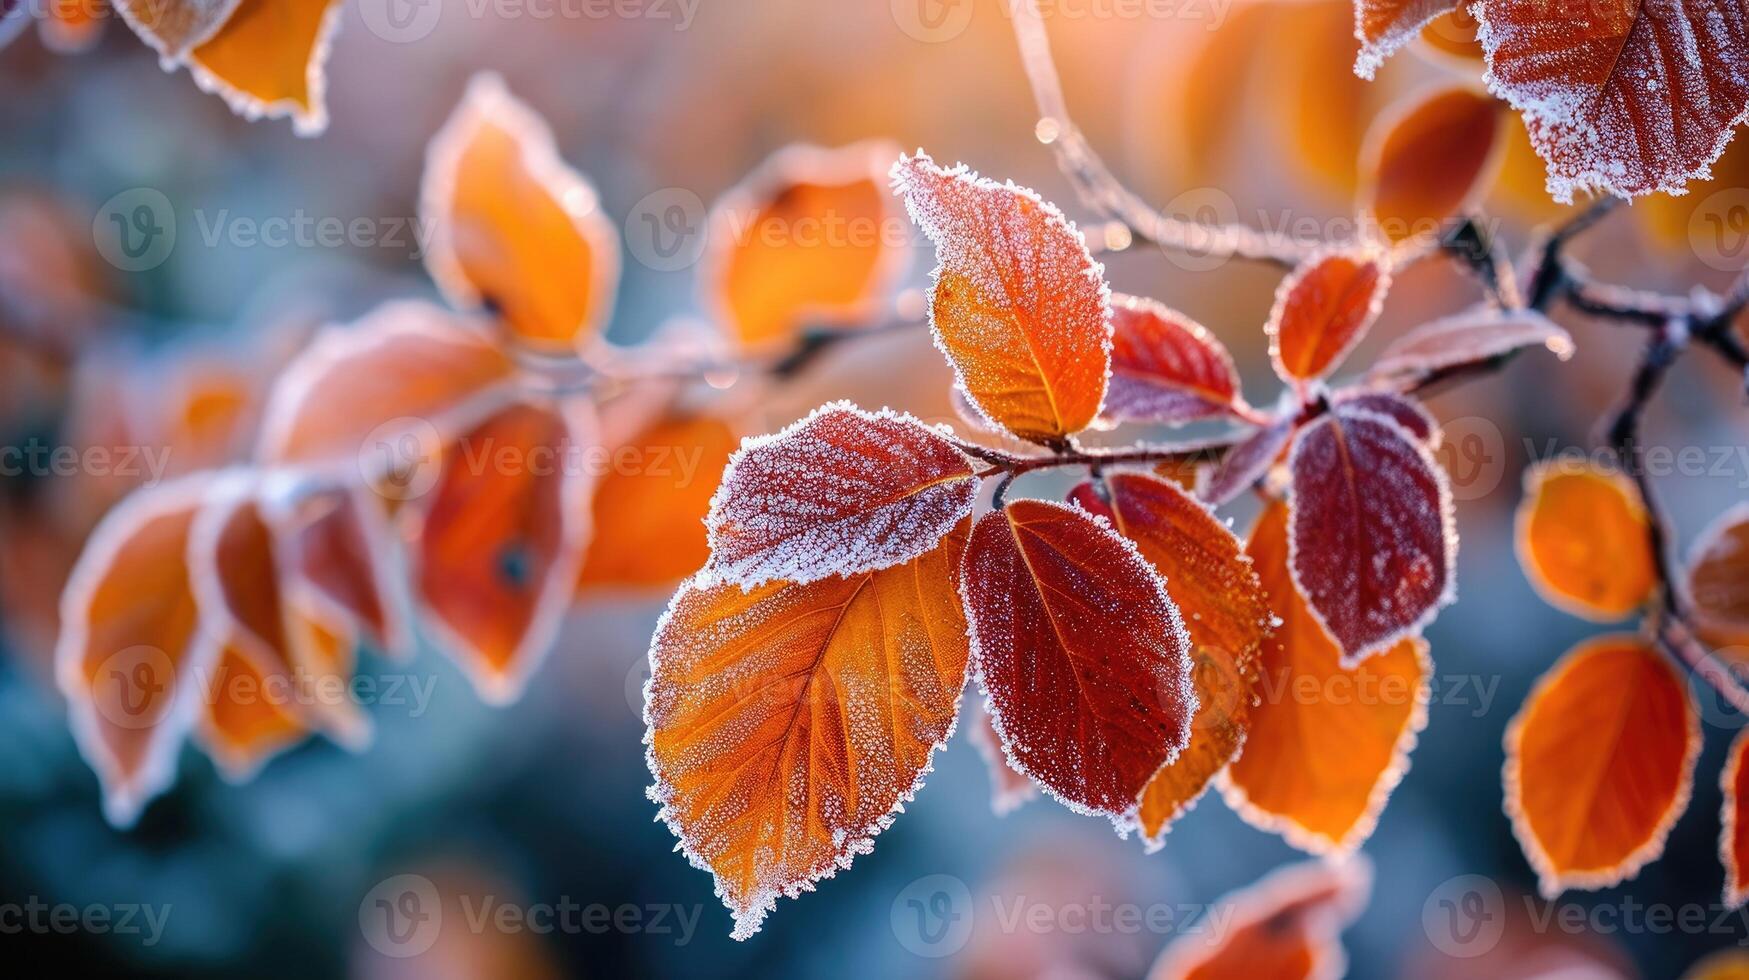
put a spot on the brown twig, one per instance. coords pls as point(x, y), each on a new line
point(1100, 189)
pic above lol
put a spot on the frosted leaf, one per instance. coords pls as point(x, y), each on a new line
point(1319, 764)
point(1718, 580)
point(1248, 462)
point(1323, 309)
point(1383, 27)
point(515, 230)
point(1166, 367)
point(788, 724)
point(1600, 763)
point(1209, 576)
point(839, 492)
point(1628, 98)
point(1374, 548)
point(130, 656)
point(359, 397)
point(1019, 306)
point(1405, 411)
point(1468, 338)
point(500, 541)
point(1287, 924)
point(1083, 657)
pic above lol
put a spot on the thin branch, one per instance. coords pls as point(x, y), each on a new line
point(1100, 189)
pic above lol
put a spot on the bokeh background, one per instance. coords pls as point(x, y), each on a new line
point(1244, 110)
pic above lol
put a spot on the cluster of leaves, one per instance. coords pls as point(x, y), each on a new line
point(1132, 650)
point(1619, 96)
point(1600, 760)
point(432, 474)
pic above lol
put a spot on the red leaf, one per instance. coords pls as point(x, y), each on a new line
point(1734, 837)
point(1210, 578)
point(501, 541)
point(1406, 412)
point(1323, 309)
point(1248, 462)
point(1630, 98)
point(1019, 306)
point(1166, 367)
point(1082, 655)
point(1374, 547)
point(1383, 27)
point(840, 492)
point(1467, 338)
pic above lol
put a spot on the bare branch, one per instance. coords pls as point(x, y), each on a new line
point(1100, 189)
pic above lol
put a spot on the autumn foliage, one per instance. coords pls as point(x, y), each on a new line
point(841, 583)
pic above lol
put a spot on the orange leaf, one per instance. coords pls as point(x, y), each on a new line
point(516, 230)
point(250, 711)
point(1287, 926)
point(1082, 656)
point(1383, 27)
point(648, 518)
point(1582, 539)
point(375, 398)
point(1209, 576)
point(267, 60)
point(1734, 837)
point(788, 723)
point(1725, 964)
point(840, 492)
point(1599, 763)
point(1327, 743)
point(501, 541)
point(809, 239)
point(1166, 367)
point(129, 658)
point(1019, 306)
point(1323, 309)
point(1718, 580)
point(1631, 99)
point(1429, 159)
point(1374, 539)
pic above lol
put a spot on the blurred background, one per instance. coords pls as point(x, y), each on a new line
point(1242, 110)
